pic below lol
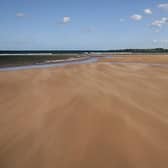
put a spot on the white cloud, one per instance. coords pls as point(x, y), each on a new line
point(160, 23)
point(164, 19)
point(157, 23)
point(148, 11)
point(20, 14)
point(163, 6)
point(136, 17)
point(66, 19)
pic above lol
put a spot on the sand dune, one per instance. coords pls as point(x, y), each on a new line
point(84, 116)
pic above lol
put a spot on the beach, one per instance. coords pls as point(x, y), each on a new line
point(110, 113)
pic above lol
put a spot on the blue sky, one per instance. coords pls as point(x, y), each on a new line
point(83, 24)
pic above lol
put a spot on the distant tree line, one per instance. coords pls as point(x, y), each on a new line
point(155, 50)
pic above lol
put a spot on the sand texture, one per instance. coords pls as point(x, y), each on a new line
point(96, 115)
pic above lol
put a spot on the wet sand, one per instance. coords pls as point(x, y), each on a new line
point(85, 116)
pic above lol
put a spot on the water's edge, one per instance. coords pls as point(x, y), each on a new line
point(87, 60)
point(47, 65)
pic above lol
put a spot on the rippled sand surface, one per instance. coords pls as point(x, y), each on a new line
point(84, 116)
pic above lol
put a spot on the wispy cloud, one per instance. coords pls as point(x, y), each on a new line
point(160, 23)
point(148, 11)
point(163, 6)
point(136, 17)
point(66, 19)
point(20, 14)
point(160, 41)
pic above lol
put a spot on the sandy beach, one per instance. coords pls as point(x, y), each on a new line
point(97, 115)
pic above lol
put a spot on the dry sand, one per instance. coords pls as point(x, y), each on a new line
point(95, 115)
point(140, 58)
